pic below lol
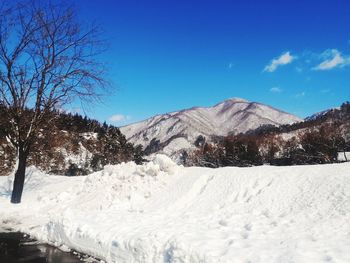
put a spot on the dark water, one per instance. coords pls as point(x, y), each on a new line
point(17, 247)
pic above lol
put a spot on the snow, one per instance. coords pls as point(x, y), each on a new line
point(89, 135)
point(177, 145)
point(162, 212)
point(343, 156)
point(81, 158)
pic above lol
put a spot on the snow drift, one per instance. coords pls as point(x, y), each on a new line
point(161, 212)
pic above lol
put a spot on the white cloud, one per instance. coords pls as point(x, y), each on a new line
point(300, 95)
point(276, 90)
point(284, 59)
point(332, 59)
point(119, 118)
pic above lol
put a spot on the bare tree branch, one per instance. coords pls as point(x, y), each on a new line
point(47, 59)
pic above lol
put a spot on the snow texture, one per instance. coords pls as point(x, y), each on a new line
point(162, 212)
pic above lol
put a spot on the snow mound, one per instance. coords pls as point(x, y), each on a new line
point(161, 212)
point(127, 184)
point(165, 163)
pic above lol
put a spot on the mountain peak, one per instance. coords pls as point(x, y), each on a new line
point(236, 99)
point(231, 101)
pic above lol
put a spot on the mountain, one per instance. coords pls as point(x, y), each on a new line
point(170, 133)
point(325, 138)
point(318, 115)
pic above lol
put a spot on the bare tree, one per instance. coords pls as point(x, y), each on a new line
point(47, 59)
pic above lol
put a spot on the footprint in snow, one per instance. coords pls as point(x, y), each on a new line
point(274, 223)
point(244, 235)
point(245, 193)
point(270, 183)
point(248, 227)
point(327, 258)
point(223, 223)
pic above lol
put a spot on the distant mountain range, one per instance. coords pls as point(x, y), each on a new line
point(173, 132)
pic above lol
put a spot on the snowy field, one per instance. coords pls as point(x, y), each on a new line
point(161, 212)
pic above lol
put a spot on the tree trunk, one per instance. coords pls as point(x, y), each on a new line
point(19, 176)
point(345, 157)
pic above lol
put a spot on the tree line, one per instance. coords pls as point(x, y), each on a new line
point(70, 135)
point(316, 141)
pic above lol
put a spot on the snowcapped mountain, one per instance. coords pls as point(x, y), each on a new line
point(172, 132)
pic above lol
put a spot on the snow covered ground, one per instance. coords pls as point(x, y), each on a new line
point(161, 212)
point(344, 156)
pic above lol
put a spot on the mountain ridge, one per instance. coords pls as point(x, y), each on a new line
point(233, 115)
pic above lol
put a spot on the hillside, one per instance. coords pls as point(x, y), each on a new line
point(172, 132)
point(322, 138)
point(73, 145)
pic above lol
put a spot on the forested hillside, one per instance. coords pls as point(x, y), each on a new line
point(72, 145)
point(323, 139)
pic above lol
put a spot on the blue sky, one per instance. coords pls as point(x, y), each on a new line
point(169, 55)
